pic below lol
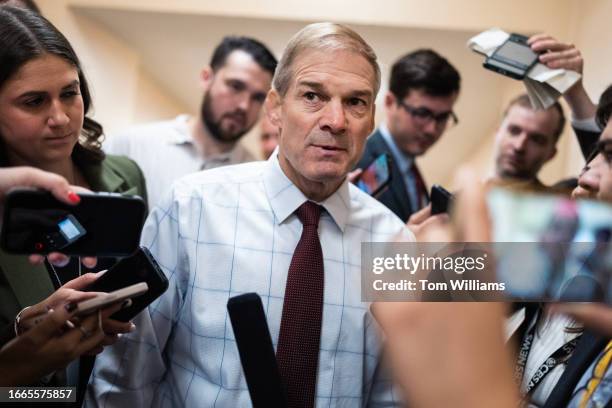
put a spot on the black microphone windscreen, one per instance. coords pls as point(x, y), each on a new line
point(256, 351)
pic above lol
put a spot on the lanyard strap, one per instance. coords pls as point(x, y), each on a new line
point(559, 356)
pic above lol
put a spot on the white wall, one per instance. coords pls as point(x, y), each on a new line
point(122, 91)
point(520, 15)
point(132, 84)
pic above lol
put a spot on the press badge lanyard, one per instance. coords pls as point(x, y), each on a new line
point(561, 355)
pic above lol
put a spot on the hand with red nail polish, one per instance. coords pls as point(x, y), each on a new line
point(74, 197)
point(13, 177)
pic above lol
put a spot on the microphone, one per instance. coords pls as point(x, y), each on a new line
point(256, 351)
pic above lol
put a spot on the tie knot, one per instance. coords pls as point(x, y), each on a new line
point(309, 213)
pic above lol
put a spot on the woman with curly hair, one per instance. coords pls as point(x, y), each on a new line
point(44, 102)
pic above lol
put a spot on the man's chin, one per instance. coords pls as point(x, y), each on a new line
point(230, 137)
point(417, 150)
point(326, 176)
point(516, 174)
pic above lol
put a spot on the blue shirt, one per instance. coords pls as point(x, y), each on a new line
point(231, 230)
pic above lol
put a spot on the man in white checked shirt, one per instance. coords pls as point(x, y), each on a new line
point(227, 231)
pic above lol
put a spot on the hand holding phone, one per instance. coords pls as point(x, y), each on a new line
point(106, 299)
point(441, 199)
point(140, 267)
point(375, 178)
point(102, 224)
point(514, 58)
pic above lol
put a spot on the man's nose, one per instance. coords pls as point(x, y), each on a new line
point(432, 127)
point(244, 101)
point(588, 180)
point(520, 142)
point(334, 117)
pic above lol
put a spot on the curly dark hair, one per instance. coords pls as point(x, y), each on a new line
point(26, 35)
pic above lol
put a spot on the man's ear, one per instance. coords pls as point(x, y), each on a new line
point(206, 76)
point(273, 107)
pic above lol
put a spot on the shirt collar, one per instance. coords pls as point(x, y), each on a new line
point(285, 197)
point(181, 134)
point(402, 160)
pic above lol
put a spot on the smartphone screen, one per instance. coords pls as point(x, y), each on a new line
point(514, 58)
point(517, 54)
point(551, 248)
point(70, 229)
point(376, 176)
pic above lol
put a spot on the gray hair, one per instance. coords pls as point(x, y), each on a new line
point(322, 37)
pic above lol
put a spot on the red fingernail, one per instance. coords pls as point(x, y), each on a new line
point(73, 197)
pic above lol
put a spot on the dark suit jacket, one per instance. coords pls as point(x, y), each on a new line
point(587, 349)
point(395, 197)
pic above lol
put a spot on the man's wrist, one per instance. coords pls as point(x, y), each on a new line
point(579, 102)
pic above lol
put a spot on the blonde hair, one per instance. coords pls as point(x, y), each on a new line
point(322, 37)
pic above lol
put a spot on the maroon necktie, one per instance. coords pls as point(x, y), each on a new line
point(300, 330)
point(421, 190)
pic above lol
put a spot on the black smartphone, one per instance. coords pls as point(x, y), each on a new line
point(140, 267)
point(441, 199)
point(376, 177)
point(514, 58)
point(102, 224)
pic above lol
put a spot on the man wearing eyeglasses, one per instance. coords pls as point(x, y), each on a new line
point(423, 89)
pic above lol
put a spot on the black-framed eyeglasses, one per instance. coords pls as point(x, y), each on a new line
point(424, 116)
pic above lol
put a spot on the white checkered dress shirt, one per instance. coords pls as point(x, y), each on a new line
point(224, 232)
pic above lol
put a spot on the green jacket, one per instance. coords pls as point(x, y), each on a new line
point(22, 284)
